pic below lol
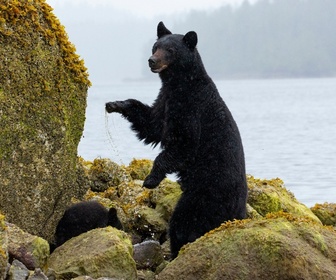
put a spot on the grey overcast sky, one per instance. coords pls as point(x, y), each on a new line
point(150, 8)
point(94, 25)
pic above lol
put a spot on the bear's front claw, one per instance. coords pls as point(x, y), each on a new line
point(111, 107)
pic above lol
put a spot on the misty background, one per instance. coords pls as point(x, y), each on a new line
point(252, 49)
point(267, 39)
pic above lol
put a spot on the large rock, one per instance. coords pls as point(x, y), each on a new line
point(43, 89)
point(279, 246)
point(102, 252)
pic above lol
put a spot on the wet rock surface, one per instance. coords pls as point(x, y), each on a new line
point(281, 237)
point(148, 255)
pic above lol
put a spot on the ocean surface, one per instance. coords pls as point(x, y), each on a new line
point(288, 127)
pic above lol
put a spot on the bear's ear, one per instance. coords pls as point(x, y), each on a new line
point(162, 30)
point(190, 39)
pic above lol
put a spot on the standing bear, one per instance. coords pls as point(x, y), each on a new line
point(199, 138)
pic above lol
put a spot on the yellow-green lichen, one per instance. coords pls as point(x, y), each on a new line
point(2, 222)
point(140, 168)
point(19, 17)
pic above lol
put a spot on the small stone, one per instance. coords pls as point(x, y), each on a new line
point(38, 275)
point(148, 254)
point(18, 271)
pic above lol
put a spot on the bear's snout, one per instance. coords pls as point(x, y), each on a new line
point(156, 64)
point(152, 61)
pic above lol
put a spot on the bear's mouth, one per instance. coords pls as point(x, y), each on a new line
point(159, 69)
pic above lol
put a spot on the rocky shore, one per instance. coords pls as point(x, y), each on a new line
point(43, 90)
point(281, 239)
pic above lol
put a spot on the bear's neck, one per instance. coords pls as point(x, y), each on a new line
point(188, 77)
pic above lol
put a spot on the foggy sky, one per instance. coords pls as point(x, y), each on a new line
point(148, 8)
point(115, 38)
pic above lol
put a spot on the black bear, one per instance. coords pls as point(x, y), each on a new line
point(82, 217)
point(199, 138)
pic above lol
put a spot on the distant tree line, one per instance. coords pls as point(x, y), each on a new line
point(279, 38)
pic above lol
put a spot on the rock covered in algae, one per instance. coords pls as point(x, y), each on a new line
point(269, 196)
point(104, 173)
point(279, 246)
point(140, 168)
point(326, 212)
point(43, 89)
point(102, 252)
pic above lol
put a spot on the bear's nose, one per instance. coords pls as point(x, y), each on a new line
point(151, 61)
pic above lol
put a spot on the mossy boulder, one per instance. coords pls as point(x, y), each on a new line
point(103, 252)
point(43, 90)
point(326, 212)
point(269, 196)
point(279, 246)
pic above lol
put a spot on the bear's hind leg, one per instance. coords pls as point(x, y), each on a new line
point(195, 214)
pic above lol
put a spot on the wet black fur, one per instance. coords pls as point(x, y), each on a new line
point(199, 138)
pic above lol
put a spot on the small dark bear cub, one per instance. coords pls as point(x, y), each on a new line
point(199, 138)
point(82, 217)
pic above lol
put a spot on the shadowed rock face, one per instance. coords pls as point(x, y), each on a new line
point(43, 89)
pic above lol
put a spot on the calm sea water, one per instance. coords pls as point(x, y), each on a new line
point(288, 129)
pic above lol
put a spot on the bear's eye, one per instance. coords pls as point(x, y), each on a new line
point(171, 51)
point(154, 49)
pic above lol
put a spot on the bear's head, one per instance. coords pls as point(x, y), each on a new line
point(173, 51)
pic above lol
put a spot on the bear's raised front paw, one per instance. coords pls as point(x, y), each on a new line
point(115, 106)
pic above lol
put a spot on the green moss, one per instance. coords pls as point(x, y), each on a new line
point(326, 212)
point(268, 196)
point(25, 16)
point(40, 252)
point(280, 246)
